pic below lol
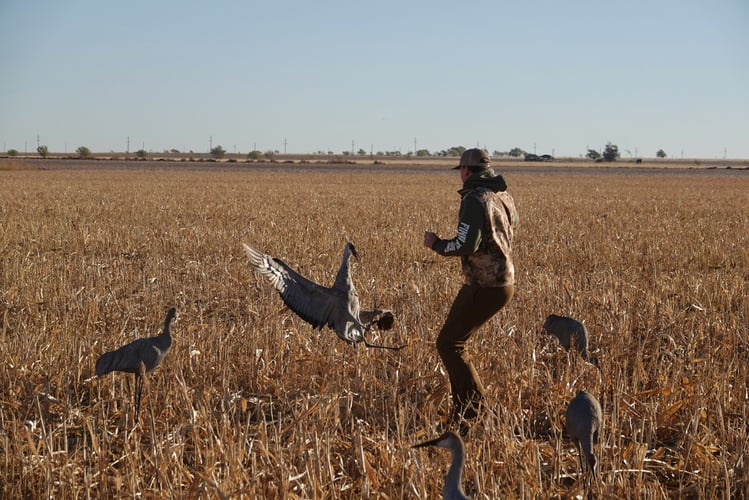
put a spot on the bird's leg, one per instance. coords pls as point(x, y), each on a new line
point(378, 346)
point(138, 387)
point(139, 375)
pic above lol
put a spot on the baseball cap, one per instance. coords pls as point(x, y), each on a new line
point(474, 158)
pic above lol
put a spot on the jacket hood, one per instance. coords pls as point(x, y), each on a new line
point(486, 178)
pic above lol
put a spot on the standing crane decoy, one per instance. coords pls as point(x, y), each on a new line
point(336, 307)
point(570, 332)
point(139, 357)
point(583, 423)
point(452, 490)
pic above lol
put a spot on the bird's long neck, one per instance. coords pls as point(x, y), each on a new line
point(452, 488)
point(587, 445)
point(164, 340)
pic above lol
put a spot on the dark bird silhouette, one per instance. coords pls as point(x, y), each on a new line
point(452, 490)
point(583, 424)
point(570, 332)
point(336, 307)
point(139, 357)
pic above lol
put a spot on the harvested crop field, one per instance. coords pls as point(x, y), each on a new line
point(251, 402)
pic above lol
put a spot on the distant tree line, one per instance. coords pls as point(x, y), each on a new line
point(610, 153)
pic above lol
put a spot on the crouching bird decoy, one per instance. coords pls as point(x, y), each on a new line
point(570, 332)
point(583, 424)
point(336, 307)
point(139, 357)
point(452, 490)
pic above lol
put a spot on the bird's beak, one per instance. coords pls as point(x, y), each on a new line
point(431, 442)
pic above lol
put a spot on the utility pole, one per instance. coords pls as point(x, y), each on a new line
point(210, 143)
point(127, 150)
point(352, 147)
point(284, 146)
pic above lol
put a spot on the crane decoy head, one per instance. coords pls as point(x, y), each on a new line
point(448, 439)
point(352, 249)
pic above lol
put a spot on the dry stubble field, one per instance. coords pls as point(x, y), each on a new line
point(253, 403)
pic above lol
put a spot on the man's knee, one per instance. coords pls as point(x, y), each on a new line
point(447, 346)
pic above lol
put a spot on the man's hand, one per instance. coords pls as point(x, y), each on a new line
point(429, 238)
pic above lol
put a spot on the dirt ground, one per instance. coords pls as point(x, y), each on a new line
point(429, 166)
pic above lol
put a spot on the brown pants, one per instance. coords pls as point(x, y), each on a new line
point(472, 307)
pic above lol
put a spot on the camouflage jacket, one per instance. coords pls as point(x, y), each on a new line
point(487, 221)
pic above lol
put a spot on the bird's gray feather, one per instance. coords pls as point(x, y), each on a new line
point(317, 305)
point(149, 351)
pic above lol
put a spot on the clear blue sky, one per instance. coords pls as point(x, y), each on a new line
point(550, 76)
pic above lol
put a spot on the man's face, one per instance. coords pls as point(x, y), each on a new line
point(465, 173)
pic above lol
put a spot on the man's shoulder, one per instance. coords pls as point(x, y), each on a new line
point(485, 192)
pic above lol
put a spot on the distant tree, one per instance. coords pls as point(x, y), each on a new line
point(218, 152)
point(141, 153)
point(660, 154)
point(254, 155)
point(593, 154)
point(611, 153)
point(361, 152)
point(269, 154)
point(422, 152)
point(174, 150)
point(83, 152)
point(455, 151)
point(516, 152)
point(12, 152)
point(43, 151)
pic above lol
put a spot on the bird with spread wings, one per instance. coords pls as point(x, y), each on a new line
point(336, 307)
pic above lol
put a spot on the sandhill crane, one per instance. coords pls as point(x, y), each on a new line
point(138, 357)
point(452, 490)
point(569, 331)
point(336, 307)
point(583, 423)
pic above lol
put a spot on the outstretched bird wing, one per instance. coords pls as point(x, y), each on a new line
point(312, 302)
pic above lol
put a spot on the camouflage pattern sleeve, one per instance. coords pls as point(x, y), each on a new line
point(470, 226)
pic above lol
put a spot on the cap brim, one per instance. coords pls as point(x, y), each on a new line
point(455, 168)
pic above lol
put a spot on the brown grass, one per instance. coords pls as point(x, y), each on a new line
point(17, 165)
point(253, 403)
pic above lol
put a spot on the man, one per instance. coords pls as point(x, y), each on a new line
point(487, 220)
